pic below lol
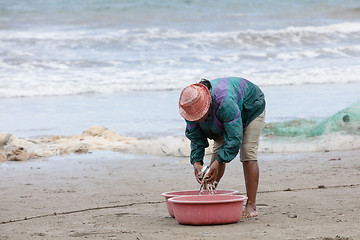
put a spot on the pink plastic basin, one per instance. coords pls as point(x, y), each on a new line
point(208, 209)
point(169, 195)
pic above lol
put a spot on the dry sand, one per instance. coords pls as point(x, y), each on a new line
point(106, 195)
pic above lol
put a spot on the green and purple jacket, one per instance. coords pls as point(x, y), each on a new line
point(235, 102)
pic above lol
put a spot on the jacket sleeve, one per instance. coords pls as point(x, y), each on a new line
point(230, 115)
point(198, 142)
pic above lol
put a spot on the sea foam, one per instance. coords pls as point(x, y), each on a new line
point(338, 132)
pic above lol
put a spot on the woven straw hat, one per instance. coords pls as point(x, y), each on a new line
point(194, 102)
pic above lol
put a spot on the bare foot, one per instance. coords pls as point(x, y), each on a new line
point(249, 211)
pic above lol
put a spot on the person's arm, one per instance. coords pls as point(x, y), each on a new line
point(198, 142)
point(230, 115)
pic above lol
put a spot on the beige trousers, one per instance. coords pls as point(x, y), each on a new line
point(250, 143)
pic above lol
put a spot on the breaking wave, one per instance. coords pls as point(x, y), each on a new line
point(71, 61)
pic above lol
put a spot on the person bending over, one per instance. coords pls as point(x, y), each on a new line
point(230, 111)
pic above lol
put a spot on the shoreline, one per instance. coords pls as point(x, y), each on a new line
point(71, 115)
point(107, 195)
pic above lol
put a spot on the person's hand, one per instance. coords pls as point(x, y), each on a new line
point(213, 172)
point(197, 171)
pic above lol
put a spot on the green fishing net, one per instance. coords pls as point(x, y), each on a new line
point(346, 121)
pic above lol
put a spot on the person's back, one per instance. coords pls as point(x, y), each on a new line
point(248, 96)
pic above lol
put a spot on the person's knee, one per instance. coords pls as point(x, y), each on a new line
point(248, 152)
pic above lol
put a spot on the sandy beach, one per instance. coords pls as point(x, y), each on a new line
point(90, 130)
point(109, 195)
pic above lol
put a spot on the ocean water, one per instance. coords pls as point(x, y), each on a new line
point(68, 65)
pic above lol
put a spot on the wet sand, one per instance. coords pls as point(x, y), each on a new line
point(107, 195)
